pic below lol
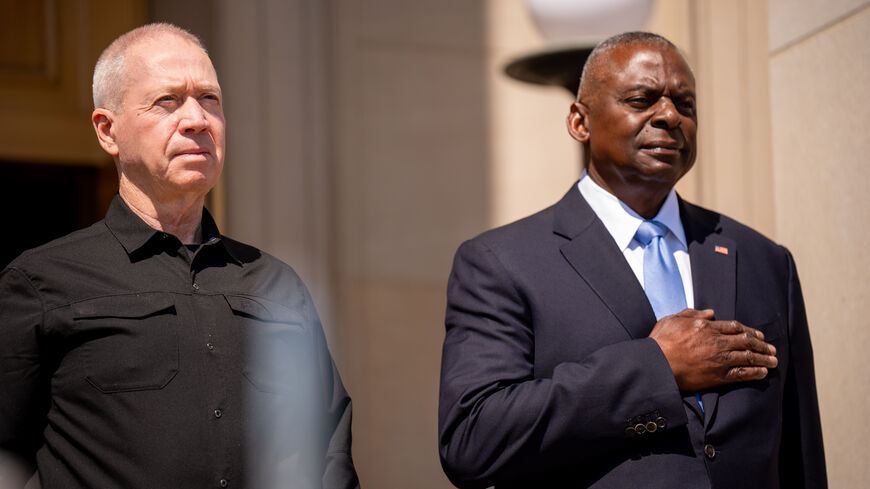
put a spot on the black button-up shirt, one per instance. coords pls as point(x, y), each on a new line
point(128, 360)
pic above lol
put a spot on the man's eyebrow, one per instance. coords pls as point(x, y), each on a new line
point(640, 87)
point(182, 85)
point(208, 87)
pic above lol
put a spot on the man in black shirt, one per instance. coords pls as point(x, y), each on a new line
point(148, 350)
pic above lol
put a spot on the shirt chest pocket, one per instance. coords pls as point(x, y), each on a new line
point(130, 342)
point(278, 348)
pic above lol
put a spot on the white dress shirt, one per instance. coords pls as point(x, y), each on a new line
point(622, 223)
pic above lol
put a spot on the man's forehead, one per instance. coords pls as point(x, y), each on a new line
point(648, 61)
point(164, 44)
point(163, 56)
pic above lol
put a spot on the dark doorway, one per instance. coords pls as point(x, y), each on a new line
point(41, 202)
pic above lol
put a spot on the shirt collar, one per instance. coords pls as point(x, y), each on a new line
point(621, 221)
point(134, 234)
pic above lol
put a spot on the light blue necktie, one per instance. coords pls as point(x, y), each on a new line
point(661, 277)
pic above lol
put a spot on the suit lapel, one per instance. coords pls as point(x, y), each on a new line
point(714, 274)
point(594, 255)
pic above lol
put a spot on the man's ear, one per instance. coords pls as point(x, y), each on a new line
point(577, 122)
point(103, 120)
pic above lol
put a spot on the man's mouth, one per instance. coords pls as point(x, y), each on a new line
point(194, 152)
point(663, 148)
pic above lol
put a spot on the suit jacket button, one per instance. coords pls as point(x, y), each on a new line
point(709, 451)
point(651, 427)
point(629, 431)
point(640, 428)
point(661, 422)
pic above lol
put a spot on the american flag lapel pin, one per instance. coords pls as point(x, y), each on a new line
point(721, 250)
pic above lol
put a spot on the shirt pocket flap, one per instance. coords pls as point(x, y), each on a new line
point(123, 306)
point(263, 310)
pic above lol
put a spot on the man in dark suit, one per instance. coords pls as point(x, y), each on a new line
point(573, 359)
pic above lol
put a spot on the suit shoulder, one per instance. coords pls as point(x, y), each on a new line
point(744, 235)
point(529, 228)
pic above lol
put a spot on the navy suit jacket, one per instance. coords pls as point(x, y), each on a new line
point(547, 367)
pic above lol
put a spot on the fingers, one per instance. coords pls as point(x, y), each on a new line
point(745, 374)
point(747, 358)
point(750, 341)
point(734, 328)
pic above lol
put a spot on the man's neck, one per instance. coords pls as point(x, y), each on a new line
point(180, 216)
point(644, 198)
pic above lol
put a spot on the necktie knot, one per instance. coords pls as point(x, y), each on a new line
point(648, 230)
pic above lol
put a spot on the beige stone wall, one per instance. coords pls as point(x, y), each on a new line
point(818, 73)
point(411, 180)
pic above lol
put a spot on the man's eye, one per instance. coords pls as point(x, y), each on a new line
point(686, 106)
point(166, 98)
point(638, 101)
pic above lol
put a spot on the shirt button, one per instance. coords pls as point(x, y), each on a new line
point(224, 483)
point(195, 286)
point(209, 346)
point(709, 451)
point(218, 413)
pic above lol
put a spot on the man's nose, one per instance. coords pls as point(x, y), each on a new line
point(193, 117)
point(666, 115)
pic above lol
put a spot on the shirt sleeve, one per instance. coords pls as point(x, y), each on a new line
point(497, 420)
point(339, 471)
point(24, 380)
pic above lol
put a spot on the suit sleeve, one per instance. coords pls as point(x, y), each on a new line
point(802, 457)
point(497, 421)
point(23, 380)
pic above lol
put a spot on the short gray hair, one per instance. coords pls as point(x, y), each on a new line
point(635, 38)
point(110, 70)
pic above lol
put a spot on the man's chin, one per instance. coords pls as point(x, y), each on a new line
point(663, 170)
point(195, 182)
